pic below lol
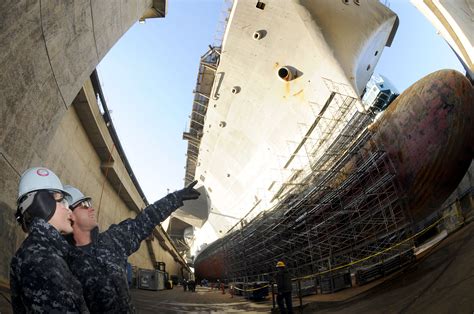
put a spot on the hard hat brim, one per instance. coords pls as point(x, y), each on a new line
point(66, 195)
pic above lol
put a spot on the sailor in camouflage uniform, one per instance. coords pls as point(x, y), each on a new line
point(40, 279)
point(101, 263)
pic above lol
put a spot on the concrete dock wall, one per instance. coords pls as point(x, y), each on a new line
point(48, 50)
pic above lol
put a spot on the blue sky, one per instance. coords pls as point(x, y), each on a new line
point(149, 75)
point(148, 78)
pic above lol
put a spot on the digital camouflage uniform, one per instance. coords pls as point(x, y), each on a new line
point(101, 266)
point(40, 279)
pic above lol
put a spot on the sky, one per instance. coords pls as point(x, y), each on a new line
point(149, 75)
point(148, 78)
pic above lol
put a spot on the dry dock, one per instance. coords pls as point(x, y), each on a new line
point(441, 282)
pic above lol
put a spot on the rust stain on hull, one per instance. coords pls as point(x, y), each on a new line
point(428, 132)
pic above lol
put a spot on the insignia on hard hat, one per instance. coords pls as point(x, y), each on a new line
point(42, 172)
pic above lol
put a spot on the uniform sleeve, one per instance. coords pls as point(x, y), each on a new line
point(48, 286)
point(131, 232)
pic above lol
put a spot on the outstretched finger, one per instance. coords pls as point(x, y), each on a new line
point(192, 184)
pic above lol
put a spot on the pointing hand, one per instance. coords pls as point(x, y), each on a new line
point(188, 193)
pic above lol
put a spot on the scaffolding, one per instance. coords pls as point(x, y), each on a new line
point(342, 213)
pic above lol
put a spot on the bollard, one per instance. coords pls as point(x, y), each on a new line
point(231, 292)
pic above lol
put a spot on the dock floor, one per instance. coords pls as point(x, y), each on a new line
point(442, 281)
point(204, 300)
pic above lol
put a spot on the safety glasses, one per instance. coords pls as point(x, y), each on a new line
point(84, 204)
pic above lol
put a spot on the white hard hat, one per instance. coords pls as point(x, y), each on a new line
point(40, 178)
point(76, 195)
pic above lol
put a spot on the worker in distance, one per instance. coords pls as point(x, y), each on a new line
point(284, 288)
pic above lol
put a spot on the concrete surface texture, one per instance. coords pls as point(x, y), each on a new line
point(49, 49)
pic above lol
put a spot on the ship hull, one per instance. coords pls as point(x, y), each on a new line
point(427, 134)
point(278, 67)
